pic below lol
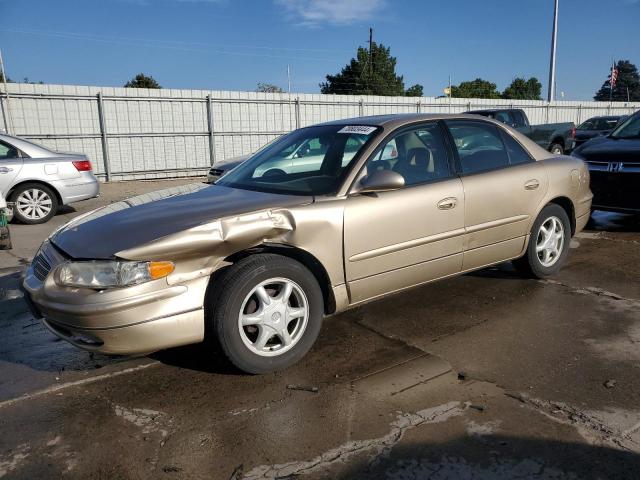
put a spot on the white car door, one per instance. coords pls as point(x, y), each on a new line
point(10, 165)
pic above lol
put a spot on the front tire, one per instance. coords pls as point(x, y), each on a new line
point(34, 203)
point(548, 246)
point(267, 312)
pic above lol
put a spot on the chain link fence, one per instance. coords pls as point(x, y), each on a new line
point(131, 133)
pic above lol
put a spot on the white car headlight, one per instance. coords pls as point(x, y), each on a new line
point(106, 273)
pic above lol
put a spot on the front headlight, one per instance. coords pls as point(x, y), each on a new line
point(105, 274)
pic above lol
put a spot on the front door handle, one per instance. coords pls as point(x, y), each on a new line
point(5, 169)
point(531, 184)
point(447, 203)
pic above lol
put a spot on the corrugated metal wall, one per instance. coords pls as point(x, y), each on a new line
point(167, 133)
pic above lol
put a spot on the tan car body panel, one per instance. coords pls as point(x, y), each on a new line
point(368, 245)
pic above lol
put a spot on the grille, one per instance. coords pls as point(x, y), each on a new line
point(41, 267)
point(216, 172)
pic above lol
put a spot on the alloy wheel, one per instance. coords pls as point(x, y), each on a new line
point(550, 241)
point(273, 317)
point(34, 204)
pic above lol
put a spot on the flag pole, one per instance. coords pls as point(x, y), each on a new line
point(552, 61)
point(611, 81)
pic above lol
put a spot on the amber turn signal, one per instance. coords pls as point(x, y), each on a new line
point(160, 269)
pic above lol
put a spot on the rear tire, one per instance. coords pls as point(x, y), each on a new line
point(548, 246)
point(556, 149)
point(266, 312)
point(34, 203)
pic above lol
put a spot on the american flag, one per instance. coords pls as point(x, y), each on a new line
point(614, 76)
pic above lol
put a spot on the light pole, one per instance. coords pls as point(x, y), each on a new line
point(552, 63)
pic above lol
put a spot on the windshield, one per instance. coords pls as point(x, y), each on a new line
point(309, 161)
point(629, 129)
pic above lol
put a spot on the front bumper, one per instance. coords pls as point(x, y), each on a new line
point(615, 191)
point(146, 337)
point(140, 319)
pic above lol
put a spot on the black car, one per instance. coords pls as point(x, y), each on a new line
point(597, 126)
point(614, 165)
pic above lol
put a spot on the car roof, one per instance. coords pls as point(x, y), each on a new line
point(605, 117)
point(492, 110)
point(32, 149)
point(397, 119)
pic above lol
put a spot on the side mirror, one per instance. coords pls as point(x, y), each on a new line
point(380, 181)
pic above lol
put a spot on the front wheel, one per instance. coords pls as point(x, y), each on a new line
point(267, 313)
point(548, 246)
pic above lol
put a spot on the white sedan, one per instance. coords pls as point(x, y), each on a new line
point(37, 181)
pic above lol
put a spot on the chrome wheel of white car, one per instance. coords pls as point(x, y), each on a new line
point(550, 241)
point(273, 317)
point(34, 203)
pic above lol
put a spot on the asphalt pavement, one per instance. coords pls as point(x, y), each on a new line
point(483, 376)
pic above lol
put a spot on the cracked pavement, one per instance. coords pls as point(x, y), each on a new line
point(484, 376)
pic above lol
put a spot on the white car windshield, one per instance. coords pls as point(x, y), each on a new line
point(308, 161)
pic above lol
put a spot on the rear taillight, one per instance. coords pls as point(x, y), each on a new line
point(82, 165)
point(573, 132)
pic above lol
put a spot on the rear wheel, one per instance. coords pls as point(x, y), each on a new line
point(556, 149)
point(34, 203)
point(266, 312)
point(548, 246)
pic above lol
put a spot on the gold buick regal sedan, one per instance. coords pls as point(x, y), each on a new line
point(321, 220)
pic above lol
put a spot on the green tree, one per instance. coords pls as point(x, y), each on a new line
point(628, 78)
point(142, 81)
point(268, 88)
point(414, 91)
point(521, 89)
point(2, 79)
point(477, 88)
point(369, 73)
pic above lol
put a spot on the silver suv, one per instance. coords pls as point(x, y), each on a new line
point(37, 181)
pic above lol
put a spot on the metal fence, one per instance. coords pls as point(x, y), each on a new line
point(131, 133)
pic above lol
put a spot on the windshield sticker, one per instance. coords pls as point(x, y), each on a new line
point(359, 129)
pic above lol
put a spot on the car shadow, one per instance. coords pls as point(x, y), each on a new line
point(503, 270)
point(203, 357)
point(498, 457)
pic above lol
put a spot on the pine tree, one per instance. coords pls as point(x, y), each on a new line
point(142, 81)
point(628, 78)
point(369, 73)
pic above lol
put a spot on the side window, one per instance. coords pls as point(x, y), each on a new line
point(479, 146)
point(418, 154)
point(7, 151)
point(504, 117)
point(517, 153)
point(519, 119)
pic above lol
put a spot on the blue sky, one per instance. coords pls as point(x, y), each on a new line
point(234, 44)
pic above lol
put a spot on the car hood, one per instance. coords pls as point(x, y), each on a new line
point(606, 149)
point(134, 222)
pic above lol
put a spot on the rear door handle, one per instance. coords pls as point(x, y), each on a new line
point(5, 169)
point(447, 203)
point(531, 184)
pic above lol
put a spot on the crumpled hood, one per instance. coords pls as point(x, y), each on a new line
point(139, 220)
point(605, 149)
